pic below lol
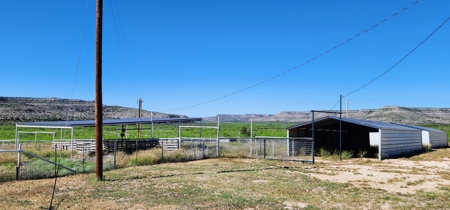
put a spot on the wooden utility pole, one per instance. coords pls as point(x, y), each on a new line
point(98, 94)
point(140, 116)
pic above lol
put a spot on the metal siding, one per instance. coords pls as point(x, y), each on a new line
point(438, 139)
point(396, 142)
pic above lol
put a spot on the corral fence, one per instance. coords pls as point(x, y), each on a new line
point(289, 149)
point(286, 149)
point(26, 144)
point(40, 168)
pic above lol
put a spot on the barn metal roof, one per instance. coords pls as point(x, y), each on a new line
point(88, 123)
point(423, 128)
point(366, 123)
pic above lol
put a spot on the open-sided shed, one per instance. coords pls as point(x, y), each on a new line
point(392, 139)
point(106, 122)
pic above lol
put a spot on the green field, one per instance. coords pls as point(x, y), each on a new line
point(231, 130)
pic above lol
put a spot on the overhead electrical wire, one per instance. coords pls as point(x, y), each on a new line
point(122, 49)
point(302, 64)
point(393, 66)
point(78, 61)
point(71, 97)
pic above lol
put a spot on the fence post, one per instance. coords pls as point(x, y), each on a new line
point(293, 140)
point(203, 148)
point(264, 148)
point(84, 145)
point(273, 148)
point(312, 151)
point(217, 147)
point(239, 140)
point(251, 147)
point(162, 150)
point(256, 148)
point(115, 152)
point(18, 161)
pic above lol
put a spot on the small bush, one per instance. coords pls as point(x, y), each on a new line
point(361, 153)
point(427, 147)
point(324, 153)
point(347, 154)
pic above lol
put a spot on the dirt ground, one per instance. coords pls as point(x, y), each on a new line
point(417, 182)
point(393, 175)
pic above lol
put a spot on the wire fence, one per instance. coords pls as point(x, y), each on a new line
point(26, 144)
point(30, 164)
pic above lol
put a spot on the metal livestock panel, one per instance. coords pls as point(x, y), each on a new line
point(437, 138)
point(396, 142)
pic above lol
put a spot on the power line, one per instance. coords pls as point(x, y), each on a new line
point(128, 71)
point(302, 64)
point(398, 62)
point(78, 60)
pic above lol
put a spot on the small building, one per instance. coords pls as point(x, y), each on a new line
point(391, 139)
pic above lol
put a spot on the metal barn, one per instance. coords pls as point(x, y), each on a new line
point(357, 134)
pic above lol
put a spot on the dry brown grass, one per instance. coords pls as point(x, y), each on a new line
point(241, 184)
point(216, 184)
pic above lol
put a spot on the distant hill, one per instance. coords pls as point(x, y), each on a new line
point(24, 109)
point(389, 114)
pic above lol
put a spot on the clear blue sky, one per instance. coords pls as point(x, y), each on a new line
point(176, 54)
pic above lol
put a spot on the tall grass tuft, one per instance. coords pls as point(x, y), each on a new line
point(8, 157)
point(346, 154)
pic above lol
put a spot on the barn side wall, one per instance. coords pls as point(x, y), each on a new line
point(397, 142)
point(438, 139)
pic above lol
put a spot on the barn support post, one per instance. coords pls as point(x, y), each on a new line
point(313, 140)
point(218, 133)
point(251, 137)
point(115, 148)
point(340, 129)
point(379, 145)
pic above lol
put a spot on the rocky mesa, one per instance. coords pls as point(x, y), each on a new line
point(25, 109)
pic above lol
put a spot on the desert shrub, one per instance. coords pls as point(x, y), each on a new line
point(346, 154)
point(324, 153)
point(427, 147)
point(361, 153)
